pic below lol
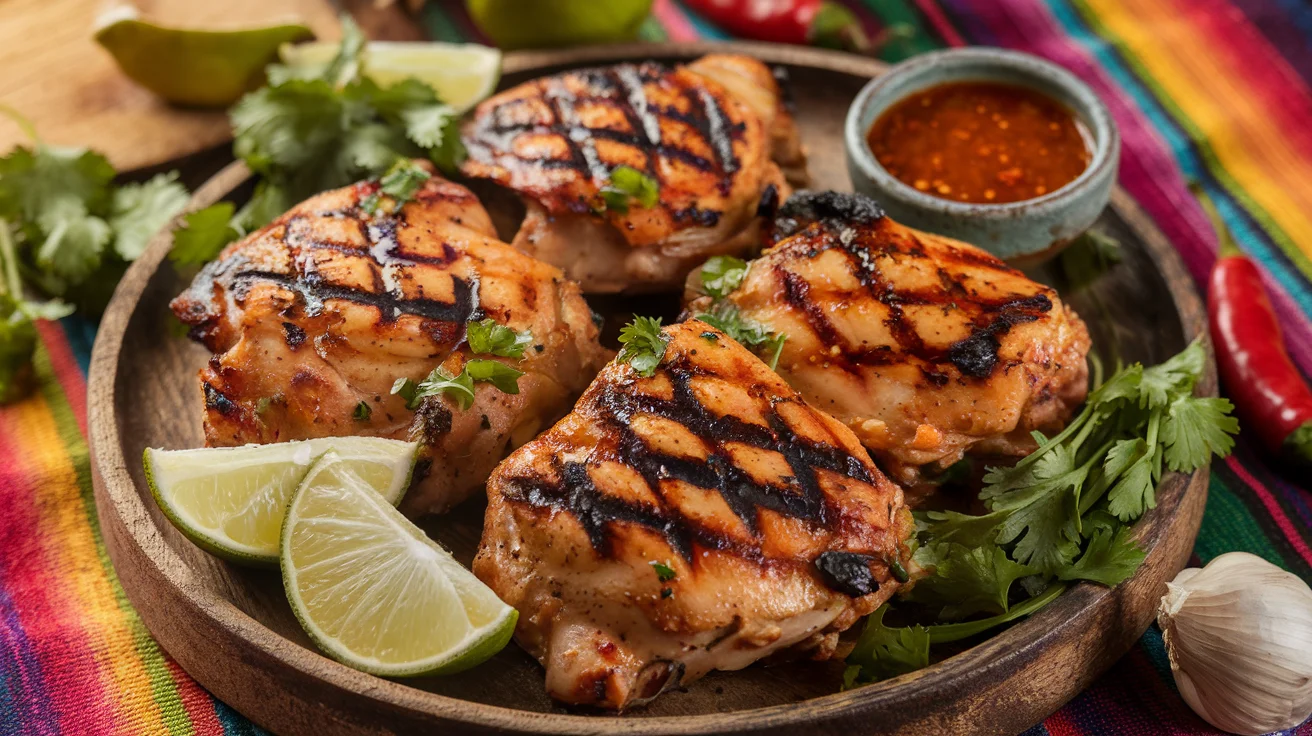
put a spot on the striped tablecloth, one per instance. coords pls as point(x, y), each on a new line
point(1210, 90)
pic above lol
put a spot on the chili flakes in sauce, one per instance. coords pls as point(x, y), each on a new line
point(982, 142)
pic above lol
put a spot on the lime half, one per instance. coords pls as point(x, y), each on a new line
point(462, 74)
point(231, 500)
point(374, 591)
point(205, 68)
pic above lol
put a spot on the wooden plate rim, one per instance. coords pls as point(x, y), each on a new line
point(116, 492)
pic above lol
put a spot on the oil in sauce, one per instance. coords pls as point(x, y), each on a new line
point(980, 142)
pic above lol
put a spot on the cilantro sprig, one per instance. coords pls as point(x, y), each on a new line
point(726, 318)
point(720, 276)
point(306, 134)
point(1060, 515)
point(628, 185)
point(488, 337)
point(644, 345)
point(74, 230)
point(460, 387)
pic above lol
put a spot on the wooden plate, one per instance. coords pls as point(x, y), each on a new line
point(232, 630)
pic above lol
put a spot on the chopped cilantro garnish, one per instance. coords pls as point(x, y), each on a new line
point(401, 182)
point(726, 317)
point(362, 412)
point(644, 345)
point(488, 337)
point(628, 185)
point(722, 274)
point(664, 572)
point(459, 387)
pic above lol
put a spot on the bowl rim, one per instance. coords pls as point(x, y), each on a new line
point(1029, 68)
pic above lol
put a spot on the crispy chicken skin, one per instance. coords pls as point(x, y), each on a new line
point(704, 132)
point(775, 530)
point(928, 348)
point(319, 313)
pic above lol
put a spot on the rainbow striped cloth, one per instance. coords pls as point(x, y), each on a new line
point(1218, 91)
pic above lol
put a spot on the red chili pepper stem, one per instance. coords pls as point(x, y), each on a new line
point(1273, 399)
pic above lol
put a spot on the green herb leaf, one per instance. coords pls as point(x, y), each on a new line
point(504, 377)
point(882, 652)
point(406, 389)
point(966, 580)
point(722, 274)
point(644, 345)
point(1195, 429)
point(664, 572)
point(439, 382)
point(362, 412)
point(1112, 556)
point(1176, 377)
point(141, 210)
point(488, 337)
point(401, 182)
point(203, 235)
point(726, 318)
point(345, 66)
point(628, 185)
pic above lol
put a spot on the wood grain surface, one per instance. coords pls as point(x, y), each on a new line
point(233, 631)
point(70, 88)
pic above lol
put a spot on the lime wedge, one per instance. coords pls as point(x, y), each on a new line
point(205, 68)
point(462, 74)
point(374, 591)
point(231, 500)
point(514, 24)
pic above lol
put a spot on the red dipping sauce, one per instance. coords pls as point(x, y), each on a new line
point(981, 142)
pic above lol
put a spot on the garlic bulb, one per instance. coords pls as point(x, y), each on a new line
point(1239, 636)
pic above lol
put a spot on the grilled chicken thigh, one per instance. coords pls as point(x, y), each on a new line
point(701, 518)
point(704, 133)
point(928, 348)
point(314, 317)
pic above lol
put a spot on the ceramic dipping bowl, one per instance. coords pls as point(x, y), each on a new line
point(1024, 232)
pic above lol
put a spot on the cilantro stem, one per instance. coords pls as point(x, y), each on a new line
point(13, 284)
point(1087, 501)
point(943, 633)
point(1080, 422)
point(21, 121)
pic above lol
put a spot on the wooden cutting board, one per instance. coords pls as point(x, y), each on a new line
point(63, 81)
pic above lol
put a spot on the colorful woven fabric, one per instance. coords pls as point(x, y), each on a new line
point(1215, 91)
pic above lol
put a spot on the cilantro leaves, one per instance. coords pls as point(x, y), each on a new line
point(726, 318)
point(303, 135)
point(1059, 515)
point(487, 337)
point(400, 183)
point(722, 274)
point(628, 185)
point(644, 345)
point(66, 230)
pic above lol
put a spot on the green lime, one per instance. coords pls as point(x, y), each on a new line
point(461, 73)
point(374, 591)
point(515, 24)
point(205, 68)
point(231, 500)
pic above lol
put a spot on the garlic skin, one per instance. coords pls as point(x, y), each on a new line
point(1239, 636)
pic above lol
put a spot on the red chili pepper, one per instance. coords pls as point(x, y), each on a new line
point(820, 22)
point(1272, 398)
